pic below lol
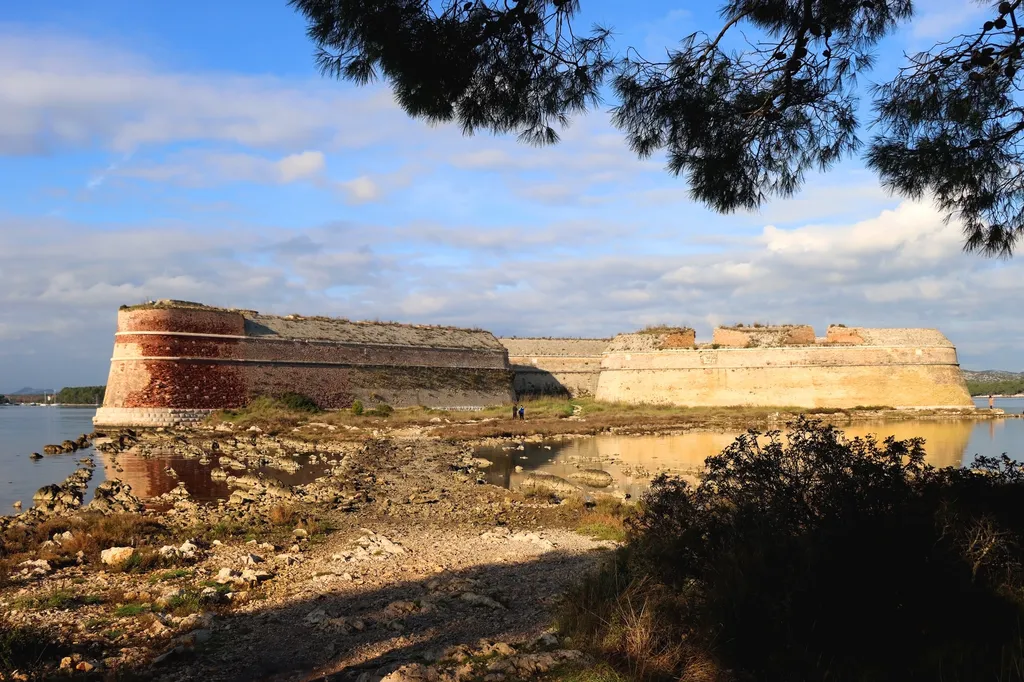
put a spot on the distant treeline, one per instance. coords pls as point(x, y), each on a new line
point(998, 387)
point(81, 395)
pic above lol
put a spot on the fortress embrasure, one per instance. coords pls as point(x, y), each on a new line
point(174, 362)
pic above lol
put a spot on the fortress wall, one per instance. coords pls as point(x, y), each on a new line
point(166, 376)
point(648, 341)
point(747, 337)
point(555, 366)
point(194, 320)
point(894, 337)
point(798, 376)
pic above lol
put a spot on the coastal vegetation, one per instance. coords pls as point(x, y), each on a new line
point(810, 556)
point(81, 395)
point(996, 386)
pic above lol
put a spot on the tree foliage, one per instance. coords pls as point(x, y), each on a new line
point(741, 125)
point(996, 387)
point(81, 395)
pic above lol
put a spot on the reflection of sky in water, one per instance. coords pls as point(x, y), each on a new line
point(632, 460)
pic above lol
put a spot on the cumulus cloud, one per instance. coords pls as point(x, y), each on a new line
point(57, 92)
point(858, 274)
point(360, 190)
point(196, 168)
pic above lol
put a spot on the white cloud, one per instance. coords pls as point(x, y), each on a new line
point(360, 190)
point(902, 268)
point(196, 168)
point(301, 166)
point(58, 92)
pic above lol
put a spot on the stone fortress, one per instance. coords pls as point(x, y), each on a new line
point(174, 362)
point(783, 366)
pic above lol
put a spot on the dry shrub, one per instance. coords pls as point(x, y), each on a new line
point(631, 623)
point(23, 647)
point(90, 535)
point(281, 514)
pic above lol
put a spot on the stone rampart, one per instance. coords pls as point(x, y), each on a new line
point(173, 360)
point(764, 337)
point(555, 366)
point(895, 368)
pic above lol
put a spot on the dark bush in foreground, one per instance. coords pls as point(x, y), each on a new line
point(812, 557)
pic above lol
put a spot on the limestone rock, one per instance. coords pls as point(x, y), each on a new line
point(595, 478)
point(116, 556)
point(549, 482)
point(114, 496)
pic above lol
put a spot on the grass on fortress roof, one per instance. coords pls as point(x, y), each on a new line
point(544, 416)
point(192, 305)
point(664, 329)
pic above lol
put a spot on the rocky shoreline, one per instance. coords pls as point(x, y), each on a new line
point(397, 563)
point(394, 561)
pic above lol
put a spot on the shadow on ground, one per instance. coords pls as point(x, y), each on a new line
point(413, 621)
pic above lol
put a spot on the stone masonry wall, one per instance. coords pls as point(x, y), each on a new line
point(555, 366)
point(169, 362)
point(798, 376)
point(761, 337)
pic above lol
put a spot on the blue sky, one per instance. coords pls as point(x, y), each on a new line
point(191, 150)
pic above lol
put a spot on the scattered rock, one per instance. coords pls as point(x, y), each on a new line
point(549, 482)
point(116, 556)
point(595, 478)
point(480, 600)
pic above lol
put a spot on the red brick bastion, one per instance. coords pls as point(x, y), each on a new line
point(174, 362)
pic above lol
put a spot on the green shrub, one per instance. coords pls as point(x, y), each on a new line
point(357, 407)
point(132, 610)
point(382, 410)
point(298, 402)
point(815, 557)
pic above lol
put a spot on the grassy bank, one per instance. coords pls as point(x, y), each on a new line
point(812, 558)
point(544, 416)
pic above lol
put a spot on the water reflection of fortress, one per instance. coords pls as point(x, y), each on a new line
point(632, 459)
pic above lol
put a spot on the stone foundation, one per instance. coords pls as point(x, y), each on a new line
point(148, 416)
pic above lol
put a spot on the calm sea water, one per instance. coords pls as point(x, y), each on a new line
point(634, 460)
point(24, 430)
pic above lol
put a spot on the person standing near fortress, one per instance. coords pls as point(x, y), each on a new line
point(991, 401)
point(522, 413)
point(515, 410)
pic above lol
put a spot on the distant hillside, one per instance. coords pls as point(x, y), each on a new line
point(994, 381)
point(991, 375)
point(31, 391)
